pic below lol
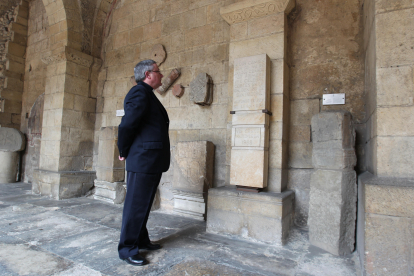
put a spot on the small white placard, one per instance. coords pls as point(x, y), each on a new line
point(120, 113)
point(330, 99)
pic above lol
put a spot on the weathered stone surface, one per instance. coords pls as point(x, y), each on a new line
point(333, 136)
point(264, 217)
point(158, 54)
point(11, 139)
point(61, 185)
point(332, 211)
point(9, 162)
point(201, 89)
point(193, 167)
point(110, 191)
point(249, 168)
point(387, 245)
point(251, 83)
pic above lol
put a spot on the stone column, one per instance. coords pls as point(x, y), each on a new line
point(66, 154)
point(333, 192)
point(257, 36)
point(257, 28)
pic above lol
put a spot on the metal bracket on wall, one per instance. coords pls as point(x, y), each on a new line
point(267, 112)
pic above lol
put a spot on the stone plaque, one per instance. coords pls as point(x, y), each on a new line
point(201, 89)
point(250, 131)
point(158, 54)
point(251, 83)
point(11, 139)
point(247, 137)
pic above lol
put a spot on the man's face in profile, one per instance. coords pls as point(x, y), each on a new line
point(156, 77)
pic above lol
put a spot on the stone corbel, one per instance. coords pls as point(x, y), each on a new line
point(250, 9)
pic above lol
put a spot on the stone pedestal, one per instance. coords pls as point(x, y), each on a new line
point(262, 217)
point(193, 176)
point(12, 142)
point(62, 185)
point(332, 206)
point(109, 191)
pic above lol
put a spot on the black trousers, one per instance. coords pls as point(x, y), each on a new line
point(141, 189)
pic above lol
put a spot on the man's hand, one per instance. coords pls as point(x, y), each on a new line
point(121, 158)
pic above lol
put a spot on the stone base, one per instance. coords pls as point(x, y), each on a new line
point(262, 217)
point(189, 204)
point(61, 185)
point(112, 192)
point(9, 162)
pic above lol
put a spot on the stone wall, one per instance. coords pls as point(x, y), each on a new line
point(325, 57)
point(196, 40)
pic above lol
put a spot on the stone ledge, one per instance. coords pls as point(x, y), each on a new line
point(369, 179)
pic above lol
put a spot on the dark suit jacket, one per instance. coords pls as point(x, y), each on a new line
point(143, 133)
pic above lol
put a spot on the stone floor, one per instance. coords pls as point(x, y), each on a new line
point(41, 236)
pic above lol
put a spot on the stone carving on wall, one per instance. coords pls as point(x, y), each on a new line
point(242, 12)
point(193, 176)
point(178, 90)
point(201, 89)
point(168, 81)
point(158, 54)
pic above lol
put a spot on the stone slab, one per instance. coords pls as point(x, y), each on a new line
point(249, 168)
point(251, 83)
point(9, 162)
point(264, 217)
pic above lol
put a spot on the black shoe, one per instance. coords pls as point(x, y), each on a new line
point(136, 260)
point(150, 246)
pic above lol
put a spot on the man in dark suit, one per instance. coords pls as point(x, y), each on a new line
point(144, 142)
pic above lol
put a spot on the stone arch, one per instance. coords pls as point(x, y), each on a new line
point(65, 23)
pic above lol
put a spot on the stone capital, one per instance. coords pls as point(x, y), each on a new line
point(250, 9)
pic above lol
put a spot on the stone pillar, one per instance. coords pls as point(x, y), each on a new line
point(193, 176)
point(66, 154)
point(259, 141)
point(257, 28)
point(333, 192)
point(110, 172)
point(12, 142)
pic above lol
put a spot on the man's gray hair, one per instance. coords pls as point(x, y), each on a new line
point(142, 67)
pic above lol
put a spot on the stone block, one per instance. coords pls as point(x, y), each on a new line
point(113, 192)
point(201, 89)
point(300, 133)
point(332, 211)
point(393, 121)
point(395, 199)
point(387, 5)
point(199, 36)
point(11, 139)
point(238, 31)
point(394, 156)
point(263, 217)
point(9, 162)
point(329, 155)
point(300, 155)
point(193, 166)
point(387, 245)
point(395, 86)
point(393, 45)
point(266, 25)
point(62, 185)
point(249, 168)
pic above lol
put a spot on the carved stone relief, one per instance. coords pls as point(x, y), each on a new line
point(201, 89)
